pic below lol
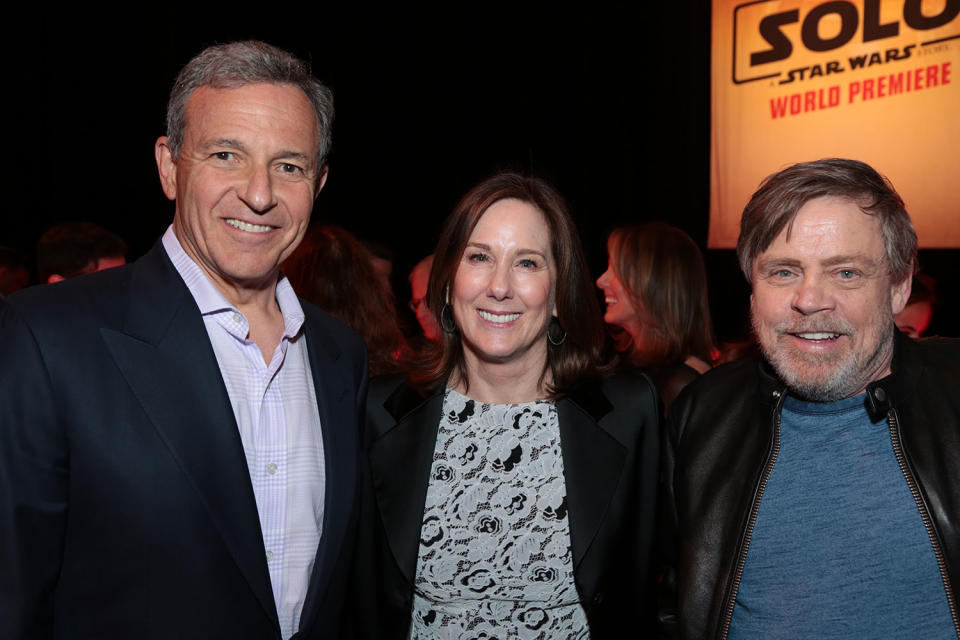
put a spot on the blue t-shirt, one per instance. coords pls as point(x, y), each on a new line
point(839, 549)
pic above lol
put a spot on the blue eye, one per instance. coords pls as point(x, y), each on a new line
point(527, 264)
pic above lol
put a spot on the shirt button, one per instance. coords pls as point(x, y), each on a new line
point(269, 556)
point(237, 318)
point(272, 468)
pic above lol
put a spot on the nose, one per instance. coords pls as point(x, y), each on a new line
point(604, 279)
point(501, 282)
point(812, 296)
point(257, 193)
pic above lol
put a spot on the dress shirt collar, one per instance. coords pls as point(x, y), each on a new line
point(211, 301)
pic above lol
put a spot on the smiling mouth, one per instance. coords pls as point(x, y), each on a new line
point(817, 336)
point(246, 226)
point(610, 301)
point(498, 318)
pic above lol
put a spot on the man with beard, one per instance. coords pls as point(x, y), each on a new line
point(814, 494)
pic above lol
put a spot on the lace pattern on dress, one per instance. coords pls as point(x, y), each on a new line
point(495, 558)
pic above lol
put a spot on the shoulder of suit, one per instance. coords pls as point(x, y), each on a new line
point(72, 302)
point(612, 395)
point(323, 323)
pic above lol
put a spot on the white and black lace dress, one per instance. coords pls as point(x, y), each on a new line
point(495, 558)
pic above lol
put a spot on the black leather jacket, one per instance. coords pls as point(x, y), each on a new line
point(723, 440)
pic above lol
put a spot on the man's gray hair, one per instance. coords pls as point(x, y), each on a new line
point(774, 207)
point(229, 66)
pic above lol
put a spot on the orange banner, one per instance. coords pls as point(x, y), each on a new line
point(874, 80)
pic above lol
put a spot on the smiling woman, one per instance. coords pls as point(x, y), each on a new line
point(510, 486)
point(655, 287)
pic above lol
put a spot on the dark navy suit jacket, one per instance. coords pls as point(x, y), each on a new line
point(126, 508)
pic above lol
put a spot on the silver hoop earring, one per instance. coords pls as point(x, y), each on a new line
point(447, 321)
point(555, 333)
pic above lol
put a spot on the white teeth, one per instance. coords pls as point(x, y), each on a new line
point(499, 318)
point(246, 226)
point(818, 336)
point(610, 300)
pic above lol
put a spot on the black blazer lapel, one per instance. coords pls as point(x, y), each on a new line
point(400, 462)
point(339, 426)
point(166, 357)
point(592, 463)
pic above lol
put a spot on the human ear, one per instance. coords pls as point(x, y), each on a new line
point(899, 294)
point(166, 166)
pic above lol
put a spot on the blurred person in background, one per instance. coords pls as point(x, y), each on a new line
point(419, 277)
point(655, 288)
point(14, 272)
point(74, 248)
point(915, 318)
point(332, 269)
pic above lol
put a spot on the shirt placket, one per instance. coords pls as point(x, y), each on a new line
point(271, 443)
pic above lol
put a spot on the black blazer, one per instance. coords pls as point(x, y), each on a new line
point(126, 508)
point(609, 441)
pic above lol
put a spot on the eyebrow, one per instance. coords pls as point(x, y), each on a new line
point(224, 142)
point(832, 261)
point(236, 144)
point(854, 257)
point(486, 247)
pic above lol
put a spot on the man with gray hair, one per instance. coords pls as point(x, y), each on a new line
point(178, 437)
point(816, 493)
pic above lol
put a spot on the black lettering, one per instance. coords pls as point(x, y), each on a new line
point(875, 59)
point(849, 21)
point(780, 45)
point(857, 62)
point(834, 67)
point(790, 76)
point(914, 17)
point(872, 29)
point(816, 71)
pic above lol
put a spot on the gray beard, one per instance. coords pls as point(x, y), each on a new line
point(844, 380)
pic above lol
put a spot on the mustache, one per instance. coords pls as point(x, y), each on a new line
point(818, 325)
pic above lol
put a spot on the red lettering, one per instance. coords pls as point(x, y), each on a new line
point(945, 73)
point(834, 95)
point(918, 78)
point(778, 107)
point(932, 75)
point(795, 104)
point(854, 90)
point(868, 89)
point(896, 83)
point(809, 101)
point(881, 87)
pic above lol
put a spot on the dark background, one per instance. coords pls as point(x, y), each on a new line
point(612, 104)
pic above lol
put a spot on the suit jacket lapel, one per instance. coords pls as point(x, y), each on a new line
point(166, 357)
point(338, 424)
point(400, 461)
point(592, 463)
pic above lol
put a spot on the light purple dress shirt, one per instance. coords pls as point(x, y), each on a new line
point(275, 406)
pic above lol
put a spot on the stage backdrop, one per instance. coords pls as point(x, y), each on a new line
point(874, 80)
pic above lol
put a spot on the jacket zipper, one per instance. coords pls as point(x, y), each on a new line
point(894, 425)
point(731, 599)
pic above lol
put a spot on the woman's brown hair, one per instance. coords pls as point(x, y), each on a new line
point(662, 270)
point(334, 271)
point(580, 354)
